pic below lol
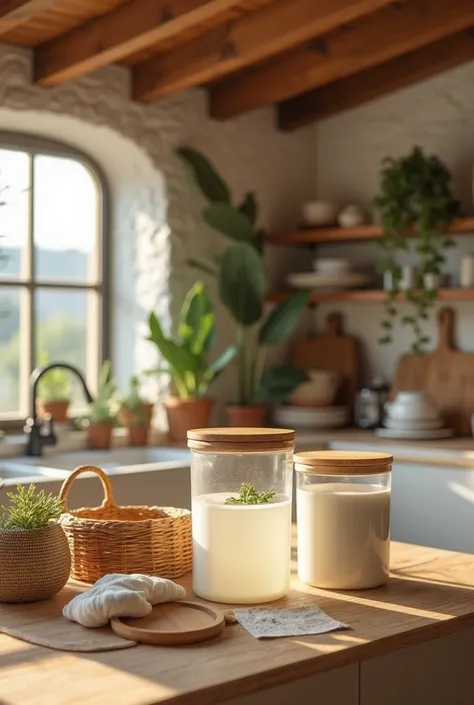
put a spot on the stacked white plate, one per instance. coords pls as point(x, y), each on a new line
point(413, 415)
point(311, 416)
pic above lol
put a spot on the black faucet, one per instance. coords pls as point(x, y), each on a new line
point(42, 433)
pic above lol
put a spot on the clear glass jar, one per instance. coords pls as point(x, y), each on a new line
point(343, 518)
point(241, 551)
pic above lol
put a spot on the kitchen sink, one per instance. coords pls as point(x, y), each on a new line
point(13, 469)
point(119, 459)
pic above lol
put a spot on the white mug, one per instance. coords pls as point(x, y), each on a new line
point(410, 406)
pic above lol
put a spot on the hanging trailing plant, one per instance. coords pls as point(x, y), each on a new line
point(415, 199)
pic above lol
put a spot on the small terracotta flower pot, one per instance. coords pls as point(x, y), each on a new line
point(99, 436)
point(57, 409)
point(34, 565)
point(137, 423)
point(138, 435)
point(184, 414)
point(253, 415)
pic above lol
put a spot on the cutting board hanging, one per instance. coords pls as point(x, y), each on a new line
point(332, 350)
point(446, 374)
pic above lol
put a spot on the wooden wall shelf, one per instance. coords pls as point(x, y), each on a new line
point(363, 233)
point(370, 296)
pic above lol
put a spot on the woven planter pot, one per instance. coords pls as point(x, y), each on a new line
point(34, 565)
point(125, 539)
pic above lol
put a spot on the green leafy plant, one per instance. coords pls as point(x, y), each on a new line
point(249, 495)
point(29, 509)
point(415, 198)
point(55, 385)
point(187, 354)
point(242, 288)
point(103, 409)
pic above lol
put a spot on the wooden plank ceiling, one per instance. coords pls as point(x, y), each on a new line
point(309, 58)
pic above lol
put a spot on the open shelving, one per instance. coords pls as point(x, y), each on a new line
point(370, 296)
point(362, 233)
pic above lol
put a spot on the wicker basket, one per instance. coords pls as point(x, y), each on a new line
point(113, 539)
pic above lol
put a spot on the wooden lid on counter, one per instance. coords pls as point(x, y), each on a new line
point(243, 440)
point(343, 462)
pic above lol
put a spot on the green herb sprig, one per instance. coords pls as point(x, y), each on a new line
point(249, 495)
point(30, 509)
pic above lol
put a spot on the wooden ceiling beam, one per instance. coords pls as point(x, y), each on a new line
point(256, 36)
point(128, 29)
point(16, 12)
point(378, 81)
point(384, 35)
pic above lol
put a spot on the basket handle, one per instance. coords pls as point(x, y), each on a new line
point(109, 500)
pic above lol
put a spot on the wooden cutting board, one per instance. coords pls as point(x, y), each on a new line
point(446, 374)
point(43, 624)
point(332, 350)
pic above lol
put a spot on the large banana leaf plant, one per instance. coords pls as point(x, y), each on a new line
point(242, 288)
point(187, 354)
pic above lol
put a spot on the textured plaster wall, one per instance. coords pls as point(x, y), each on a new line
point(155, 209)
point(438, 115)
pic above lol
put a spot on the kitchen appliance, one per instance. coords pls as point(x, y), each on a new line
point(370, 403)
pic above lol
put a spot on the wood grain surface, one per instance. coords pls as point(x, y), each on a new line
point(430, 594)
point(446, 374)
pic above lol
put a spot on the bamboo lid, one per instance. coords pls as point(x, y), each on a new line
point(244, 440)
point(343, 462)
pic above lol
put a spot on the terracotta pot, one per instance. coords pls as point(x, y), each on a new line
point(253, 415)
point(34, 565)
point(57, 409)
point(184, 414)
point(138, 435)
point(140, 417)
point(99, 436)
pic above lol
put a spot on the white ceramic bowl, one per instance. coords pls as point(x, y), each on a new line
point(319, 213)
point(319, 390)
point(331, 266)
point(408, 406)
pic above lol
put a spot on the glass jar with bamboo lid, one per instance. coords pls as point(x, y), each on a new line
point(343, 516)
point(241, 481)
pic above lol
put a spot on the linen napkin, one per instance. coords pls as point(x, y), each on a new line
point(268, 622)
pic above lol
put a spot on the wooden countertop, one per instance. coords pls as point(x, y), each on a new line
point(430, 594)
point(456, 452)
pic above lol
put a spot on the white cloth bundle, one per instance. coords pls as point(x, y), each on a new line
point(120, 595)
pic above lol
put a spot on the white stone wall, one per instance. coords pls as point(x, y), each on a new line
point(155, 208)
point(437, 115)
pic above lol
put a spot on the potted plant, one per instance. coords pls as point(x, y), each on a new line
point(187, 359)
point(102, 412)
point(54, 393)
point(415, 198)
point(135, 414)
point(35, 561)
point(242, 288)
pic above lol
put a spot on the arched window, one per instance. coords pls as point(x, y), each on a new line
point(53, 264)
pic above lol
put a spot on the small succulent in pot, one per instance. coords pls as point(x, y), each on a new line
point(35, 561)
point(54, 393)
point(102, 412)
point(135, 414)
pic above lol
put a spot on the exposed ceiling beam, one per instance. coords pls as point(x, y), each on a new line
point(17, 12)
point(128, 29)
point(391, 32)
point(378, 81)
point(253, 37)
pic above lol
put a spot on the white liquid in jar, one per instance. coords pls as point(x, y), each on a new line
point(241, 553)
point(343, 535)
